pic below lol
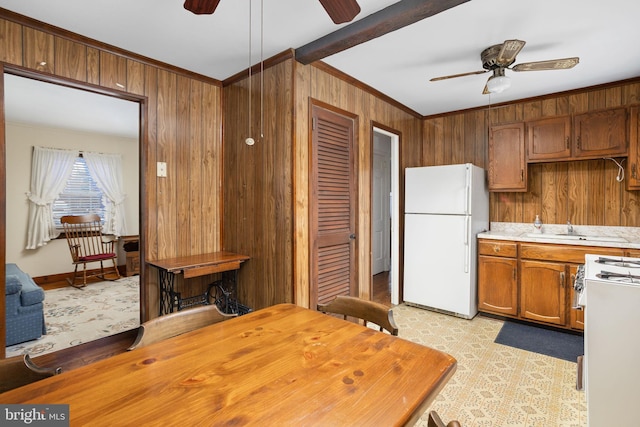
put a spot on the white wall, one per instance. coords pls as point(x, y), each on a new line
point(54, 258)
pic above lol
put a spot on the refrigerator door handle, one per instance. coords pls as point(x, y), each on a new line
point(467, 249)
point(467, 201)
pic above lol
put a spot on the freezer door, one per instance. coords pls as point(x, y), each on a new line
point(438, 189)
point(439, 263)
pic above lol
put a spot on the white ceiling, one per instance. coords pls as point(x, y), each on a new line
point(32, 101)
point(603, 34)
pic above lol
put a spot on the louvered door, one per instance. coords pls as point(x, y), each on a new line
point(332, 206)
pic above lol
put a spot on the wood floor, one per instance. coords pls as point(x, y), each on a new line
point(93, 351)
point(382, 288)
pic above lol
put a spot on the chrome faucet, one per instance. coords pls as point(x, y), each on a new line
point(569, 227)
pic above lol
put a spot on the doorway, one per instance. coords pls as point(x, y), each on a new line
point(65, 116)
point(385, 241)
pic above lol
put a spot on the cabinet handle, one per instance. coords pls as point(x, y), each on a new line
point(567, 143)
point(562, 279)
point(522, 175)
point(514, 274)
point(633, 171)
point(578, 144)
point(496, 249)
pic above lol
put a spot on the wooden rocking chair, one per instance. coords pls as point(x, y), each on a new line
point(86, 243)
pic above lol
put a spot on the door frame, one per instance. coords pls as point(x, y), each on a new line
point(396, 137)
point(142, 147)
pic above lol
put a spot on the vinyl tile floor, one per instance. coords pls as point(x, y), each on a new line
point(494, 385)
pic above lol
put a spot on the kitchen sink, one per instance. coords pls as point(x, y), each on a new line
point(566, 236)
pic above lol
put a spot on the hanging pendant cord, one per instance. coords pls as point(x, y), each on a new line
point(249, 135)
point(261, 68)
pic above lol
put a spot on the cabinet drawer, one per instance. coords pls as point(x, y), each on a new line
point(634, 253)
point(564, 253)
point(498, 248)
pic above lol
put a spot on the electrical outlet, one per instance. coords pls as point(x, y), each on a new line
point(162, 169)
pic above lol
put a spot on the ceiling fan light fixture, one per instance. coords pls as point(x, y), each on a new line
point(498, 84)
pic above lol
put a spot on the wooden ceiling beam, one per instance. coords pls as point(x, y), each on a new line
point(391, 18)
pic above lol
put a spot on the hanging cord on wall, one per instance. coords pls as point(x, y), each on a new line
point(620, 176)
point(261, 69)
point(249, 140)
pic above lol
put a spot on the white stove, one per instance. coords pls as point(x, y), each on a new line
point(611, 297)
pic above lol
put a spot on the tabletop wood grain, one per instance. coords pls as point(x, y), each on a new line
point(194, 261)
point(283, 365)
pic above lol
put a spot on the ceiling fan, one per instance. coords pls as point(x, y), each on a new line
point(499, 57)
point(340, 11)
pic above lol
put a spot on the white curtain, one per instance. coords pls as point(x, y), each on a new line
point(106, 170)
point(50, 170)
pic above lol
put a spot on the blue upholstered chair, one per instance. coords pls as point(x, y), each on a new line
point(24, 307)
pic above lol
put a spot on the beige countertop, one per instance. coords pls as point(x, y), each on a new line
point(583, 235)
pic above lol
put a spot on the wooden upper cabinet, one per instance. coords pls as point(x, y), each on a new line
point(549, 139)
point(633, 178)
point(507, 167)
point(600, 133)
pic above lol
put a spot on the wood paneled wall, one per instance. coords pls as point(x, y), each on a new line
point(323, 84)
point(584, 192)
point(266, 188)
point(258, 183)
point(181, 124)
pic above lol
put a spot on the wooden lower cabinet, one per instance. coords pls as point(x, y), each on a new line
point(576, 315)
point(543, 291)
point(634, 253)
point(533, 281)
point(499, 293)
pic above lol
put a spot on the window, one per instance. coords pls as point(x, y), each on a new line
point(80, 196)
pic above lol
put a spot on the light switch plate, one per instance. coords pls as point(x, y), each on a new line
point(162, 169)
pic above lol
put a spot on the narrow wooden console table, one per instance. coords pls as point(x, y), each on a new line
point(191, 266)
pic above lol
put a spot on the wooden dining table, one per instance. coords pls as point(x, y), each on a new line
point(280, 366)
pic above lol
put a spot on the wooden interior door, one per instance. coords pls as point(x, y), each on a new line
point(333, 206)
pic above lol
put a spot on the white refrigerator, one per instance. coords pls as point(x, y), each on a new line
point(445, 208)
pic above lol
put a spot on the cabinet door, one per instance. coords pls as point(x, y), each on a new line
point(507, 168)
point(543, 291)
point(601, 133)
point(634, 253)
point(549, 139)
point(497, 285)
point(633, 178)
point(576, 317)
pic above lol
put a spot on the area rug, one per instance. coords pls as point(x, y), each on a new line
point(561, 345)
point(76, 316)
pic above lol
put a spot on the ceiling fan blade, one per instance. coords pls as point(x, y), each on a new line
point(341, 11)
point(510, 48)
point(452, 76)
point(552, 64)
point(201, 7)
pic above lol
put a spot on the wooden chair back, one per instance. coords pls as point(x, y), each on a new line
point(87, 244)
point(436, 421)
point(178, 323)
point(369, 311)
point(20, 370)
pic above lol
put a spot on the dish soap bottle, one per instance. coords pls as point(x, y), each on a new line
point(537, 225)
